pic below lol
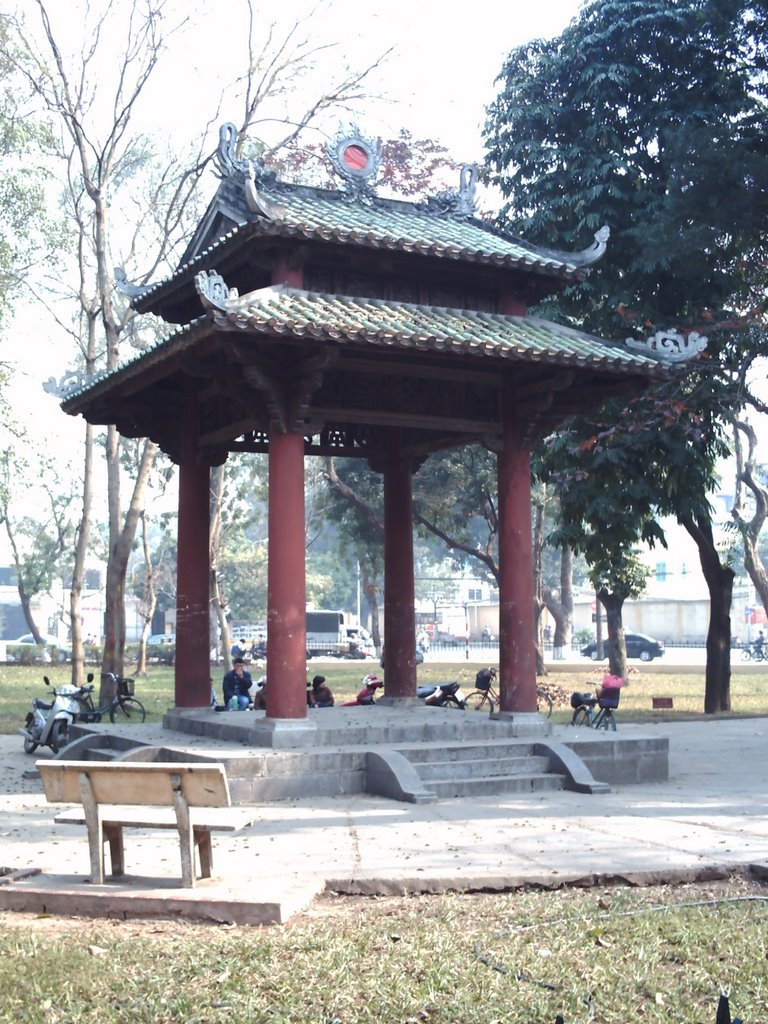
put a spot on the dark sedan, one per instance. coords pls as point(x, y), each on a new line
point(638, 646)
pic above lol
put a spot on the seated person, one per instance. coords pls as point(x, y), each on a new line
point(236, 684)
point(320, 695)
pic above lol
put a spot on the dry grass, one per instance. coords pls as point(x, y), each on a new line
point(609, 955)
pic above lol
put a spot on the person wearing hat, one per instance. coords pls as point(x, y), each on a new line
point(320, 695)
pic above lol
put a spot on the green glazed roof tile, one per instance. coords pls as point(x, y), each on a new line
point(281, 311)
point(287, 311)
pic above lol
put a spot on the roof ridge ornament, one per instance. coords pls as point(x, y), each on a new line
point(453, 202)
point(226, 161)
point(214, 293)
point(670, 346)
point(593, 252)
point(356, 159)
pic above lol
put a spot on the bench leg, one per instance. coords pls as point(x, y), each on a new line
point(96, 850)
point(113, 834)
point(203, 843)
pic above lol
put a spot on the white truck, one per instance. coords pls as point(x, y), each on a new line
point(334, 634)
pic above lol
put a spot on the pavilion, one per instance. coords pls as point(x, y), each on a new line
point(359, 326)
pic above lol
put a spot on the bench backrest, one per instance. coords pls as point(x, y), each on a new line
point(147, 784)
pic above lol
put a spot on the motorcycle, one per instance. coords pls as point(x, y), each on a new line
point(442, 695)
point(48, 723)
point(371, 683)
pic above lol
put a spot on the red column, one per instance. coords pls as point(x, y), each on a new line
point(192, 663)
point(517, 654)
point(399, 611)
point(286, 584)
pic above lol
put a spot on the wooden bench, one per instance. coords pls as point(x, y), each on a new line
point(113, 795)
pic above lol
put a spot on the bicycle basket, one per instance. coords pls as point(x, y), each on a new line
point(609, 698)
point(484, 678)
point(126, 687)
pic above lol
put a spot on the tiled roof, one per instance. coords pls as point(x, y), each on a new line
point(288, 312)
point(315, 214)
point(407, 228)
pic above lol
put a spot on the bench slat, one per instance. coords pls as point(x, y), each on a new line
point(144, 783)
point(223, 819)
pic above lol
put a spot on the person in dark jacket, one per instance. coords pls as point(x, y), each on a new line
point(236, 685)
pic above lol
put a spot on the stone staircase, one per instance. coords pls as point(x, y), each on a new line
point(471, 769)
point(417, 772)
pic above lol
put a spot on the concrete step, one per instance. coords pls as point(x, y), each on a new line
point(98, 754)
point(467, 750)
point(481, 768)
point(488, 786)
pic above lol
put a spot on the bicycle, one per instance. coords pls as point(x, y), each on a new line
point(485, 697)
point(754, 652)
point(584, 705)
point(123, 706)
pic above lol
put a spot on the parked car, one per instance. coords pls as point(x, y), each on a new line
point(638, 646)
point(63, 650)
point(161, 647)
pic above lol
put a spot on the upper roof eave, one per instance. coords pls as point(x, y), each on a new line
point(307, 214)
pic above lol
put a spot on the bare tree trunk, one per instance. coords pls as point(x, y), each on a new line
point(538, 587)
point(751, 528)
point(120, 550)
point(25, 599)
point(82, 537)
point(150, 597)
point(218, 600)
point(719, 579)
point(561, 608)
point(371, 591)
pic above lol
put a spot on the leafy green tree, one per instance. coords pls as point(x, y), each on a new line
point(650, 116)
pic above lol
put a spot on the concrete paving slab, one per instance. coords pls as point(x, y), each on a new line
point(707, 820)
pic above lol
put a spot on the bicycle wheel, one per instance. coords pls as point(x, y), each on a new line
point(478, 700)
point(582, 716)
point(544, 703)
point(127, 709)
point(746, 654)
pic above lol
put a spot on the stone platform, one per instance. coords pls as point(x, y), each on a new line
point(412, 753)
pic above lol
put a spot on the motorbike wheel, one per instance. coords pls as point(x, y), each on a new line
point(452, 702)
point(479, 701)
point(59, 735)
point(128, 709)
point(30, 746)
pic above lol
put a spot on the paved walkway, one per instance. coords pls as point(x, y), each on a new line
point(709, 817)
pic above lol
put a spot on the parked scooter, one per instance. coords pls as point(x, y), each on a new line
point(442, 695)
point(371, 683)
point(48, 722)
